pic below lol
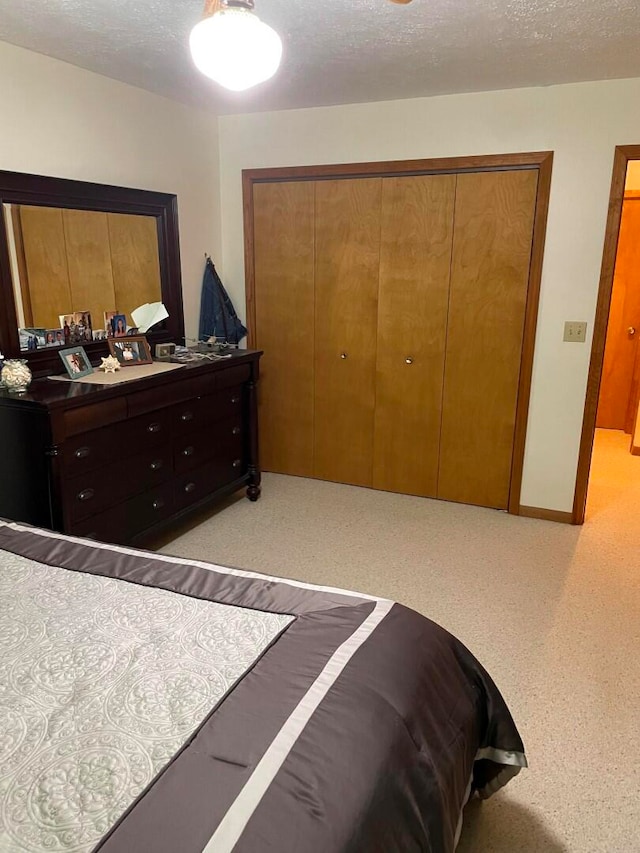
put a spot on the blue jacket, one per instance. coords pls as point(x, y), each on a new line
point(217, 314)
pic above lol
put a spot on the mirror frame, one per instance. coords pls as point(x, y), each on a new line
point(22, 188)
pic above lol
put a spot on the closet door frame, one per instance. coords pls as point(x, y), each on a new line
point(541, 161)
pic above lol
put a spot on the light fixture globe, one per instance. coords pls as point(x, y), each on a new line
point(235, 48)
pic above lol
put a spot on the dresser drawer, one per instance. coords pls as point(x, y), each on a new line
point(234, 376)
point(148, 430)
point(227, 468)
point(86, 418)
point(169, 395)
point(190, 416)
point(122, 522)
point(89, 451)
point(197, 448)
point(225, 404)
point(206, 479)
point(94, 491)
point(94, 449)
point(193, 486)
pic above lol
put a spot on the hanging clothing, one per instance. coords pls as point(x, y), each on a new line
point(217, 314)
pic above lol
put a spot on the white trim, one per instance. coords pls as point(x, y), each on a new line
point(167, 558)
point(505, 775)
point(502, 756)
point(465, 800)
point(235, 820)
point(513, 761)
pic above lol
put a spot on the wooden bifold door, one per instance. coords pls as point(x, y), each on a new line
point(391, 312)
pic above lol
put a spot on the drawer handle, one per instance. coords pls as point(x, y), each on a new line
point(85, 495)
point(343, 355)
point(188, 451)
point(236, 463)
point(157, 504)
point(235, 399)
point(408, 360)
point(156, 465)
point(186, 416)
point(154, 427)
point(82, 452)
point(190, 487)
point(235, 430)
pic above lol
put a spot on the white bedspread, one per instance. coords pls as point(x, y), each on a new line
point(101, 682)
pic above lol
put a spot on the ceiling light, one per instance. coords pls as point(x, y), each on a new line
point(232, 45)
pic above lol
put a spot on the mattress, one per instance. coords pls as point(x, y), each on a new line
point(150, 703)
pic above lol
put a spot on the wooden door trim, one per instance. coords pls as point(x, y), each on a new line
point(547, 514)
point(529, 332)
point(539, 160)
point(621, 157)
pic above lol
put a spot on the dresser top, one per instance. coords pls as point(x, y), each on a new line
point(52, 394)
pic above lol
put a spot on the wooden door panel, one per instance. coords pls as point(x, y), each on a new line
point(46, 261)
point(347, 265)
point(493, 228)
point(134, 260)
point(415, 259)
point(618, 387)
point(89, 258)
point(284, 310)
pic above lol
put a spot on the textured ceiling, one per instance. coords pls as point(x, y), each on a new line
point(343, 51)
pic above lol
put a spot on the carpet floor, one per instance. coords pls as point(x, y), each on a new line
point(552, 611)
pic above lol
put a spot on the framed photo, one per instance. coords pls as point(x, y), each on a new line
point(109, 322)
point(54, 338)
point(77, 327)
point(76, 362)
point(115, 324)
point(133, 349)
point(31, 339)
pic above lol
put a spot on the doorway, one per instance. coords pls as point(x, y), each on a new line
point(611, 426)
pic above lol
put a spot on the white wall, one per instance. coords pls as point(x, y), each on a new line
point(60, 120)
point(581, 123)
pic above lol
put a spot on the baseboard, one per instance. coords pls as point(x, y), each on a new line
point(635, 450)
point(546, 514)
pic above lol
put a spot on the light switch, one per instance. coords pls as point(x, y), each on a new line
point(574, 332)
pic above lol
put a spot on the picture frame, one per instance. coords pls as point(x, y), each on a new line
point(111, 318)
point(130, 350)
point(118, 326)
point(77, 327)
point(54, 338)
point(32, 338)
point(76, 362)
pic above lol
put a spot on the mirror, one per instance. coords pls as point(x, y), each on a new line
point(76, 259)
point(78, 274)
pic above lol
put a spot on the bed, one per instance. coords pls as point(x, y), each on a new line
point(156, 705)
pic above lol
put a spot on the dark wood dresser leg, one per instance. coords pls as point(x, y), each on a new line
point(253, 489)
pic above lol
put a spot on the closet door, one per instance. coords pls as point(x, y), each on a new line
point(346, 307)
point(493, 229)
point(415, 259)
point(89, 258)
point(134, 260)
point(46, 263)
point(284, 310)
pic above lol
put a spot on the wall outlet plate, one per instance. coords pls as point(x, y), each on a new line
point(575, 332)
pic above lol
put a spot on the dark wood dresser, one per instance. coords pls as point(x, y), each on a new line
point(119, 463)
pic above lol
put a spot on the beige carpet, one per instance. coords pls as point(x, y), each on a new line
point(551, 610)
